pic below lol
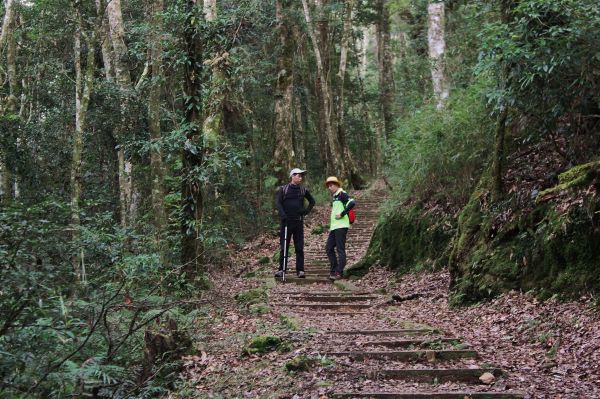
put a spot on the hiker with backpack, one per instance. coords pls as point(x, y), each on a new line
point(342, 215)
point(290, 205)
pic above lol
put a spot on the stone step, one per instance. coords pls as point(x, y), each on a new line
point(321, 305)
point(437, 376)
point(406, 331)
point(429, 355)
point(430, 395)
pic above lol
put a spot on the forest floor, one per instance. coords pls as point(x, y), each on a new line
point(546, 349)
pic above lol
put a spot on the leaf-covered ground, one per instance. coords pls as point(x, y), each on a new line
point(548, 349)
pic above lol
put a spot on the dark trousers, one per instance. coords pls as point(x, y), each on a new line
point(336, 240)
point(295, 229)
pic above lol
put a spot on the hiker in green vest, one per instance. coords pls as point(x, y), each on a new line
point(338, 227)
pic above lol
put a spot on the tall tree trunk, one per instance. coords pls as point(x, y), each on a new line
point(498, 157)
point(192, 201)
point(123, 78)
point(386, 76)
point(437, 48)
point(355, 180)
point(7, 190)
point(104, 38)
point(213, 123)
point(83, 90)
point(9, 17)
point(156, 163)
point(299, 131)
point(284, 155)
point(336, 162)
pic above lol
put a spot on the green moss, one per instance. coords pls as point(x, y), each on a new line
point(300, 363)
point(305, 363)
point(265, 343)
point(574, 177)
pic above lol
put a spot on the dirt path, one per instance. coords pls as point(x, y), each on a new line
point(314, 339)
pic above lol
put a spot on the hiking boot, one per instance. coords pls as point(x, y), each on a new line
point(301, 274)
point(279, 273)
point(335, 276)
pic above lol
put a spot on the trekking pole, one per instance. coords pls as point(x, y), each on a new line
point(285, 253)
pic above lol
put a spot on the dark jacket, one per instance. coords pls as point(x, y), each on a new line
point(290, 202)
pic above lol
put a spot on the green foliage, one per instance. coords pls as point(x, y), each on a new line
point(433, 149)
point(65, 334)
point(545, 55)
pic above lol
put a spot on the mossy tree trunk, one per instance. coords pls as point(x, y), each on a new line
point(499, 157)
point(384, 60)
point(127, 196)
point(284, 155)
point(154, 95)
point(83, 89)
point(336, 161)
point(8, 182)
point(192, 152)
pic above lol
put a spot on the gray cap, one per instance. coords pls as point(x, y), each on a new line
point(297, 171)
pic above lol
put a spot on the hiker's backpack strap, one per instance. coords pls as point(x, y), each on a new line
point(286, 187)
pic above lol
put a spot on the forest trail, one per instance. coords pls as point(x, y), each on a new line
point(366, 352)
point(380, 336)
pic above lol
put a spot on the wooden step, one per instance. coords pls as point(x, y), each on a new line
point(404, 343)
point(470, 376)
point(431, 355)
point(431, 395)
point(307, 280)
point(332, 298)
point(407, 331)
point(321, 305)
point(318, 313)
point(333, 292)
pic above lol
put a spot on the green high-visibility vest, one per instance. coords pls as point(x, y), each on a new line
point(337, 206)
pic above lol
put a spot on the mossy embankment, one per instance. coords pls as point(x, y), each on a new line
point(409, 238)
point(550, 247)
point(546, 241)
